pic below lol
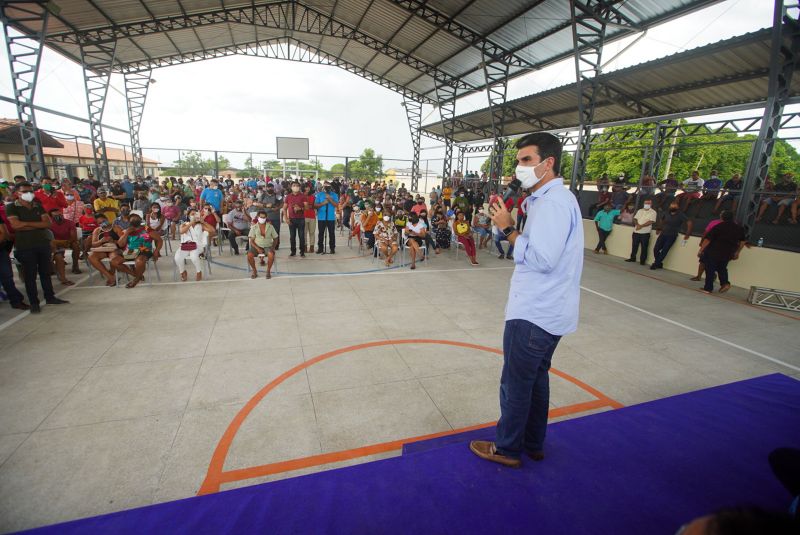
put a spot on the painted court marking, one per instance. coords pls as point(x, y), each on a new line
point(692, 329)
point(217, 475)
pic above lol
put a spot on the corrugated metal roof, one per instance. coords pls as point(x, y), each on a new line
point(730, 72)
point(440, 40)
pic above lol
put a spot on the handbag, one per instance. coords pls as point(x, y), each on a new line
point(188, 246)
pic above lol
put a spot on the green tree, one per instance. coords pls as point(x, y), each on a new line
point(509, 159)
point(337, 169)
point(370, 166)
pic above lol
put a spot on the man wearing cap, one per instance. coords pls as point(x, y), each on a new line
point(325, 203)
point(105, 204)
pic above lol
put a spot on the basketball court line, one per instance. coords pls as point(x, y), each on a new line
point(678, 285)
point(217, 475)
point(692, 329)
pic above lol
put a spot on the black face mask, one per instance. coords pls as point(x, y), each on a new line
point(673, 210)
point(414, 219)
point(136, 223)
point(327, 189)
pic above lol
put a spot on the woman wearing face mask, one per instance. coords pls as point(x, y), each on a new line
point(171, 214)
point(368, 221)
point(429, 241)
point(626, 216)
point(194, 238)
point(441, 230)
point(104, 245)
point(155, 220)
point(310, 216)
point(463, 232)
point(139, 245)
point(262, 242)
point(386, 238)
point(415, 232)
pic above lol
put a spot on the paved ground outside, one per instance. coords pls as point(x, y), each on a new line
point(121, 398)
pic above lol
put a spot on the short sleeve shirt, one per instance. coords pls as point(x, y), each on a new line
point(605, 220)
point(643, 216)
point(266, 239)
point(672, 223)
point(327, 212)
point(62, 230)
point(28, 239)
point(295, 205)
point(100, 206)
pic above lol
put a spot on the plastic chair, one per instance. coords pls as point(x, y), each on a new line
point(204, 256)
point(131, 264)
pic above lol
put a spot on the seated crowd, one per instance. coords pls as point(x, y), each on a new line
point(118, 227)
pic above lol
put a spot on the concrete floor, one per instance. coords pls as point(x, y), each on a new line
point(120, 399)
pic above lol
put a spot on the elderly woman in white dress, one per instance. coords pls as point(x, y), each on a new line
point(194, 237)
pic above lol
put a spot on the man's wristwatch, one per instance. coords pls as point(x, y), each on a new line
point(508, 230)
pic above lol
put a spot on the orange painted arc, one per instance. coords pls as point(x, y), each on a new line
point(216, 475)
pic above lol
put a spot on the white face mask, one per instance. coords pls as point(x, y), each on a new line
point(262, 220)
point(647, 206)
point(27, 196)
point(386, 218)
point(527, 176)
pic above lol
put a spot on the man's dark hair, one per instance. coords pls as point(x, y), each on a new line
point(548, 146)
point(726, 215)
point(23, 185)
point(751, 521)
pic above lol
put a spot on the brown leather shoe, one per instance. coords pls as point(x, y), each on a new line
point(486, 450)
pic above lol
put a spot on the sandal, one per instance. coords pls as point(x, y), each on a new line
point(254, 275)
point(67, 282)
point(413, 266)
point(133, 283)
point(269, 275)
point(184, 276)
point(111, 284)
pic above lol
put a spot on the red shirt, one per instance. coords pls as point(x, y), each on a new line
point(63, 230)
point(6, 222)
point(50, 202)
point(310, 213)
point(295, 205)
point(211, 220)
point(87, 223)
point(520, 206)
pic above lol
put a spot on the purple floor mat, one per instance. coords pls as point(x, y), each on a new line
point(643, 469)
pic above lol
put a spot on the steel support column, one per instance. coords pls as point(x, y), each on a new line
point(136, 85)
point(460, 165)
point(97, 60)
point(446, 97)
point(785, 47)
point(24, 57)
point(588, 36)
point(414, 114)
point(496, 76)
point(659, 138)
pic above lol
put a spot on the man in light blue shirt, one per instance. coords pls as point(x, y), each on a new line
point(542, 302)
point(325, 203)
point(213, 196)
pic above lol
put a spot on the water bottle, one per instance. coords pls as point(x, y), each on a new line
point(760, 242)
point(683, 243)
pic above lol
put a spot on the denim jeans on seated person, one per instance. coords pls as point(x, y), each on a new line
point(524, 388)
point(502, 237)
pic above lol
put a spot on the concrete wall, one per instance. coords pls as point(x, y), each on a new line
point(756, 266)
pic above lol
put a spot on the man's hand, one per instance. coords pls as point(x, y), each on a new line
point(500, 215)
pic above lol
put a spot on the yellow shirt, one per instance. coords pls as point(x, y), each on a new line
point(462, 228)
point(100, 205)
point(447, 193)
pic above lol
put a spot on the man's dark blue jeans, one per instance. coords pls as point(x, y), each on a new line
point(36, 261)
point(524, 388)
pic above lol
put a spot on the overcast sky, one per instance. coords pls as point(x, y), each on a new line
point(243, 103)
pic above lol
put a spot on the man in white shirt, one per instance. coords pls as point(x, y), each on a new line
point(692, 189)
point(543, 299)
point(643, 222)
